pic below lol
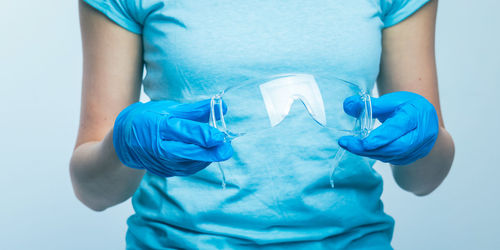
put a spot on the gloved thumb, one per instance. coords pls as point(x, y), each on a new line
point(384, 106)
point(353, 105)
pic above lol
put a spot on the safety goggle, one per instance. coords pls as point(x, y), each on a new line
point(264, 103)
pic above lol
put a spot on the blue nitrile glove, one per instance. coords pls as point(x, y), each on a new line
point(408, 132)
point(168, 138)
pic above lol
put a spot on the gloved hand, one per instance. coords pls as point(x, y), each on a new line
point(408, 132)
point(167, 138)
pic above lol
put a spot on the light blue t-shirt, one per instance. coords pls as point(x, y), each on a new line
point(278, 193)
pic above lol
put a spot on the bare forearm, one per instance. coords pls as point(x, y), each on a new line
point(425, 175)
point(99, 179)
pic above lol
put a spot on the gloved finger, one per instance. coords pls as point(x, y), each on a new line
point(173, 150)
point(159, 171)
point(194, 167)
point(198, 111)
point(188, 131)
point(415, 153)
point(392, 129)
point(182, 168)
point(403, 161)
point(402, 150)
point(353, 105)
point(385, 105)
point(399, 159)
point(352, 144)
point(381, 107)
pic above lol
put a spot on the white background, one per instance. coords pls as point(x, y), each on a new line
point(40, 72)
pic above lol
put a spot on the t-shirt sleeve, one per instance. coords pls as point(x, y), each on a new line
point(119, 11)
point(395, 11)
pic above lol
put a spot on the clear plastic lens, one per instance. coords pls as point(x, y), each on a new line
point(260, 104)
point(279, 95)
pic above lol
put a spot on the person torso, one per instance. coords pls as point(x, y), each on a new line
point(278, 191)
